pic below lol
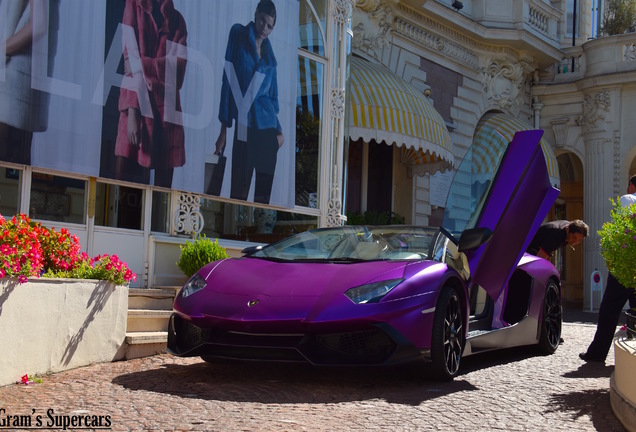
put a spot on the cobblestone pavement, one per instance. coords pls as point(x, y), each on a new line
point(511, 390)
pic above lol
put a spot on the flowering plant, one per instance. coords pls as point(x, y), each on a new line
point(618, 243)
point(20, 247)
point(61, 250)
point(28, 249)
point(102, 267)
point(30, 379)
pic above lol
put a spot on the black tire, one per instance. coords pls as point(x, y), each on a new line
point(447, 344)
point(551, 320)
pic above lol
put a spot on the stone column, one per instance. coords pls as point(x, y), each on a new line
point(597, 188)
point(598, 183)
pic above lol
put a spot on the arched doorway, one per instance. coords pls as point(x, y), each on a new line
point(569, 206)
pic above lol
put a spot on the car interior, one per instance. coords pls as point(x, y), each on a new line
point(518, 295)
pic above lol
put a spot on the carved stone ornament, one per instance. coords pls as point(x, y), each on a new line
point(560, 130)
point(337, 103)
point(188, 219)
point(595, 107)
point(341, 10)
point(629, 52)
point(372, 21)
point(503, 84)
point(334, 208)
point(618, 181)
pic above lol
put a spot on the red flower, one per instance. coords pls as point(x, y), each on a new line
point(28, 249)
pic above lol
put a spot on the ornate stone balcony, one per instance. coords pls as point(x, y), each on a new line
point(602, 57)
point(528, 26)
point(534, 16)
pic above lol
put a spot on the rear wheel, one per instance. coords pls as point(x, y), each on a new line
point(552, 320)
point(448, 339)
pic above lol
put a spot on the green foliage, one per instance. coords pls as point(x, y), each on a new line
point(619, 17)
point(102, 267)
point(375, 218)
point(198, 253)
point(618, 243)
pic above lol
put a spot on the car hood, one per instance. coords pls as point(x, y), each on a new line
point(257, 289)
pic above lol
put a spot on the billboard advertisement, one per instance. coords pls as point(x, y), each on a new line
point(194, 95)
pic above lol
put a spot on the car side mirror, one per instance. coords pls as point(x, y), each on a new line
point(473, 238)
point(251, 249)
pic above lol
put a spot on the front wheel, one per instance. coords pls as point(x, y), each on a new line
point(552, 319)
point(448, 339)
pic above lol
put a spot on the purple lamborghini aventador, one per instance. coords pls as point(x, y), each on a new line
point(379, 295)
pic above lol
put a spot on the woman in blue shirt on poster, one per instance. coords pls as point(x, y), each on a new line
point(249, 96)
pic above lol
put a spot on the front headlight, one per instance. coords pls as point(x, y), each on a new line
point(196, 283)
point(373, 292)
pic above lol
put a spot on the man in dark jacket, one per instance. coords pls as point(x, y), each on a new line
point(552, 235)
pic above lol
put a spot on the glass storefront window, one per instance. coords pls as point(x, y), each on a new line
point(312, 21)
point(57, 198)
point(160, 216)
point(213, 217)
point(247, 223)
point(119, 206)
point(308, 110)
point(10, 191)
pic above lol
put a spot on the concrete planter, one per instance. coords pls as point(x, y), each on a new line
point(623, 382)
point(51, 325)
point(630, 323)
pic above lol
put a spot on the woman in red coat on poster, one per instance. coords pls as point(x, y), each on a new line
point(145, 139)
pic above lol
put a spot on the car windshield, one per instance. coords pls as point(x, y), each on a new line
point(354, 244)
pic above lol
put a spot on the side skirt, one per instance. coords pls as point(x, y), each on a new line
point(520, 334)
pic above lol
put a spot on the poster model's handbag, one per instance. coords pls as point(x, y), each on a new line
point(214, 171)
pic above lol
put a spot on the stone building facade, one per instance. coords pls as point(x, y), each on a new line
point(519, 59)
point(393, 93)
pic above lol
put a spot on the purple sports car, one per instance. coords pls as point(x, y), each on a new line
point(379, 295)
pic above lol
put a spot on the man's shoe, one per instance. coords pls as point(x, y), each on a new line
point(587, 358)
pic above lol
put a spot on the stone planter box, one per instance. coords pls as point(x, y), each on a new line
point(623, 382)
point(51, 325)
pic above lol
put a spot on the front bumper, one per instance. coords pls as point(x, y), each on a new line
point(377, 344)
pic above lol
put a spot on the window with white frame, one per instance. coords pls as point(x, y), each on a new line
point(57, 198)
point(10, 191)
point(119, 206)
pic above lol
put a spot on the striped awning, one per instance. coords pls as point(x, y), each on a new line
point(385, 108)
point(493, 132)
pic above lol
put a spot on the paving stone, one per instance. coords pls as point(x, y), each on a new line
point(510, 390)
